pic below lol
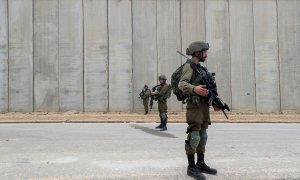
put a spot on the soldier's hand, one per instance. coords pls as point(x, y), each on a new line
point(216, 108)
point(201, 90)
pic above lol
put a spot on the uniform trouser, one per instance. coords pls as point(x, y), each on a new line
point(196, 141)
point(163, 118)
point(198, 120)
point(146, 102)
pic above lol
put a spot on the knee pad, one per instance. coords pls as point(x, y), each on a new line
point(203, 137)
point(194, 140)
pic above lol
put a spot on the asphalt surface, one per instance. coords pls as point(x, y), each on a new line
point(138, 151)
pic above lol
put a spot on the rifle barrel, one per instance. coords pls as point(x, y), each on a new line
point(225, 114)
point(182, 54)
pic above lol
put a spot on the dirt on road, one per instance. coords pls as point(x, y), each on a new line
point(73, 116)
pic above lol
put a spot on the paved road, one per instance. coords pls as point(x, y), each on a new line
point(138, 151)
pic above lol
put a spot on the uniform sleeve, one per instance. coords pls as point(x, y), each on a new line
point(147, 93)
point(163, 90)
point(184, 82)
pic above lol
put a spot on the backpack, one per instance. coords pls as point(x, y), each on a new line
point(141, 95)
point(175, 78)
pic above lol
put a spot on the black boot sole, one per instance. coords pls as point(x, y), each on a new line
point(196, 176)
point(208, 172)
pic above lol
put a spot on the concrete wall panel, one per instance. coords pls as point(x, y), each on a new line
point(242, 56)
point(46, 96)
point(289, 54)
point(95, 56)
point(70, 55)
point(3, 56)
point(168, 42)
point(20, 55)
point(192, 23)
point(266, 56)
point(144, 48)
point(217, 35)
point(120, 55)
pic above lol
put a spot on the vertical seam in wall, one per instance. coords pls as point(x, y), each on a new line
point(132, 84)
point(156, 44)
point(180, 27)
point(254, 53)
point(33, 56)
point(83, 65)
point(230, 55)
point(279, 61)
point(8, 94)
point(58, 55)
point(107, 65)
point(204, 20)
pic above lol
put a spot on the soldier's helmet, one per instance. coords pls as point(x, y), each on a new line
point(146, 86)
point(162, 77)
point(197, 46)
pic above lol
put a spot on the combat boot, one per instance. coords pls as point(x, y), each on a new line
point(192, 169)
point(146, 112)
point(164, 127)
point(164, 124)
point(203, 167)
point(159, 126)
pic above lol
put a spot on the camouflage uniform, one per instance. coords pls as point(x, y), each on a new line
point(145, 97)
point(197, 114)
point(162, 103)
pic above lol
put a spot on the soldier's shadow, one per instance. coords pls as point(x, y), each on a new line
point(152, 131)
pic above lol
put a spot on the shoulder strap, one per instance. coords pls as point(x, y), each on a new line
point(194, 66)
point(204, 68)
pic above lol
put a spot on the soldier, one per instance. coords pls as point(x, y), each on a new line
point(144, 95)
point(162, 93)
point(197, 114)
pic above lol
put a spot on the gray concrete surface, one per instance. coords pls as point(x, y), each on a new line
point(96, 55)
point(138, 151)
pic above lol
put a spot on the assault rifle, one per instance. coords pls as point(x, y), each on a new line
point(141, 94)
point(153, 98)
point(211, 86)
point(209, 81)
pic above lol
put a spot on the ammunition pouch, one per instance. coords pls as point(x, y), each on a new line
point(162, 98)
point(197, 100)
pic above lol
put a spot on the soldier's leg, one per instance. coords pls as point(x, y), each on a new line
point(164, 120)
point(201, 165)
point(160, 118)
point(203, 139)
point(193, 139)
point(147, 105)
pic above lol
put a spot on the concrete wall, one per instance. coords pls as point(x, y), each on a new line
point(96, 55)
